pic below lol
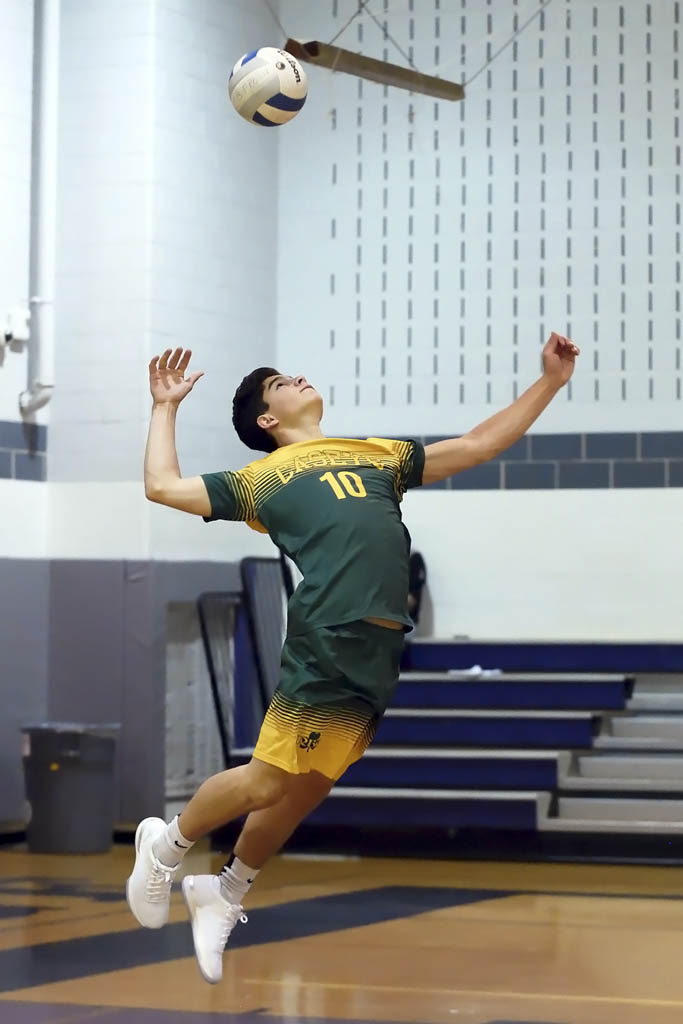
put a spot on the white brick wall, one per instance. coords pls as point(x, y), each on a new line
point(214, 246)
point(169, 231)
point(214, 254)
point(524, 143)
point(518, 583)
point(167, 235)
point(16, 75)
point(106, 102)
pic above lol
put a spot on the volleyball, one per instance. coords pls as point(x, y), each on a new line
point(268, 86)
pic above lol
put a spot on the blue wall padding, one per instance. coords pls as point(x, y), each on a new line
point(454, 772)
point(249, 709)
point(501, 731)
point(546, 657)
point(488, 694)
point(465, 813)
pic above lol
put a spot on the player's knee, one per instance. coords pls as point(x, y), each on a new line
point(266, 785)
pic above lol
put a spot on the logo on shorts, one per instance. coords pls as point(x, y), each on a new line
point(309, 742)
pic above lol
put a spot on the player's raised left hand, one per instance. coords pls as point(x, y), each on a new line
point(167, 381)
point(559, 357)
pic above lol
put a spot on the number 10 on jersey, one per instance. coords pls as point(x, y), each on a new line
point(345, 483)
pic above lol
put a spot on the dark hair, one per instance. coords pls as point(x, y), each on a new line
point(247, 405)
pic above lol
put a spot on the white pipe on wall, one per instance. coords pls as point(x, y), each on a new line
point(41, 351)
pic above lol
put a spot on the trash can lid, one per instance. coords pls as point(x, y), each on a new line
point(82, 727)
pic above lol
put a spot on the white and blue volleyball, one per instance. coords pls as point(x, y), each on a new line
point(268, 86)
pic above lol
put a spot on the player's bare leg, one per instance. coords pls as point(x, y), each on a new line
point(160, 847)
point(230, 794)
point(214, 902)
point(266, 831)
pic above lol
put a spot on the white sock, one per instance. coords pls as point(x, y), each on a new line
point(171, 846)
point(236, 878)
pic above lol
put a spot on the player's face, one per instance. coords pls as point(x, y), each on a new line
point(291, 399)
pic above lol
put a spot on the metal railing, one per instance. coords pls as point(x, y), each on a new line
point(256, 618)
point(217, 620)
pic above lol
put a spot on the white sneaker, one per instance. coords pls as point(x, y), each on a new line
point(148, 890)
point(213, 918)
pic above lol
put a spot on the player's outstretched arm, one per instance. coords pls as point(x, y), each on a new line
point(493, 436)
point(163, 481)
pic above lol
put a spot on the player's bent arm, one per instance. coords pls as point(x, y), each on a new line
point(163, 482)
point(494, 435)
point(189, 494)
point(444, 458)
point(490, 438)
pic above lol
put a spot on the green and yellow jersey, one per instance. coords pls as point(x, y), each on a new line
point(333, 506)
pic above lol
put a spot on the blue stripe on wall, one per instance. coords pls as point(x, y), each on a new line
point(651, 459)
point(577, 461)
point(27, 437)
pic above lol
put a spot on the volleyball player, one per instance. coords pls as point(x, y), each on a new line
point(333, 506)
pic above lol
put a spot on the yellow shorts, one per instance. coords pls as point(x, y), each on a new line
point(335, 683)
point(325, 738)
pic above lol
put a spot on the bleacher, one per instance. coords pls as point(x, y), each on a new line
point(550, 749)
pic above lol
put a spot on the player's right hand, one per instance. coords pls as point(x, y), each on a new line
point(167, 381)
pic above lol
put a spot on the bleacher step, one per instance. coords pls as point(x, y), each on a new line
point(534, 655)
point(649, 700)
point(442, 727)
point(465, 752)
point(449, 767)
point(610, 784)
point(646, 726)
point(512, 690)
point(412, 675)
point(487, 713)
point(403, 792)
point(633, 767)
point(450, 808)
point(653, 744)
point(564, 757)
point(625, 810)
point(625, 828)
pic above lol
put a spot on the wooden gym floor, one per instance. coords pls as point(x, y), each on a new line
point(349, 941)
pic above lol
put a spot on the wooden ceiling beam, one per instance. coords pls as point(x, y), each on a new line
point(312, 51)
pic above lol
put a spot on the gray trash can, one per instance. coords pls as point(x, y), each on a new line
point(69, 776)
